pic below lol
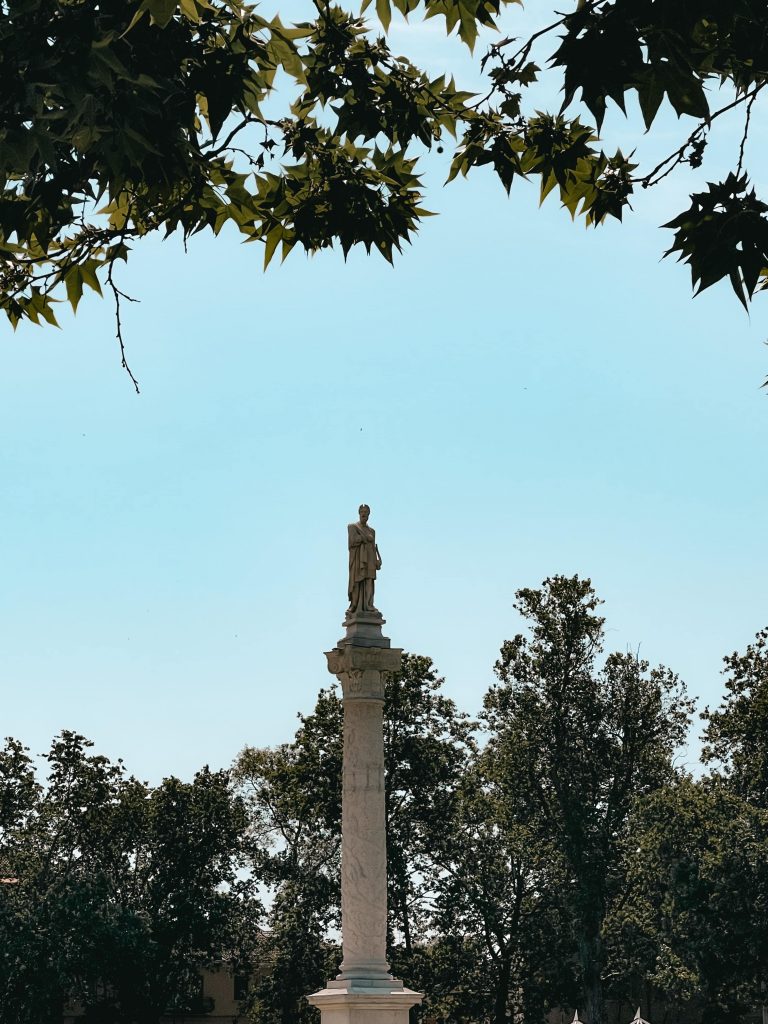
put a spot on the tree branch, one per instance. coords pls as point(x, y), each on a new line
point(117, 294)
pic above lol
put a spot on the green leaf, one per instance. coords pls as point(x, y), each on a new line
point(161, 11)
point(73, 279)
point(142, 10)
point(88, 271)
point(384, 13)
point(650, 93)
point(189, 10)
point(46, 311)
point(271, 242)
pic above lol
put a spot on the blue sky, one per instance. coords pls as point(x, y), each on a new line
point(518, 397)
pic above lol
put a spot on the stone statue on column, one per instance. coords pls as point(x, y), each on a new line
point(363, 620)
point(364, 560)
point(364, 992)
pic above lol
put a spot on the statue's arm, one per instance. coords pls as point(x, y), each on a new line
point(354, 537)
point(378, 557)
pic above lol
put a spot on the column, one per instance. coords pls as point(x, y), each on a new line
point(364, 991)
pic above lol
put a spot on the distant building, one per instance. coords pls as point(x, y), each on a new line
point(218, 999)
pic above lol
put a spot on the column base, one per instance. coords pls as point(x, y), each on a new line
point(364, 630)
point(363, 1001)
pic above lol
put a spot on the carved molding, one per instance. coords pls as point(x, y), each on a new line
point(350, 659)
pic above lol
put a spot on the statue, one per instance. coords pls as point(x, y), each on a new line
point(364, 560)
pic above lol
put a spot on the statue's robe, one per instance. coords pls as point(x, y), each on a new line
point(362, 560)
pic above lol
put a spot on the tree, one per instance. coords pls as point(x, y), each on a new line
point(736, 733)
point(125, 118)
point(500, 952)
point(115, 894)
point(736, 738)
point(694, 919)
point(428, 747)
point(589, 741)
point(296, 953)
point(293, 796)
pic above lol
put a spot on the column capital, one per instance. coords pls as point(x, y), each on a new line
point(359, 669)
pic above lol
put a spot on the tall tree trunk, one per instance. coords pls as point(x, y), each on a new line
point(501, 993)
point(591, 962)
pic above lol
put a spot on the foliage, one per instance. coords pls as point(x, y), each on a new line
point(115, 893)
point(562, 861)
point(296, 954)
point(428, 746)
point(119, 119)
point(500, 951)
point(725, 232)
point(719, 888)
point(293, 796)
point(694, 920)
point(503, 860)
point(589, 741)
point(737, 732)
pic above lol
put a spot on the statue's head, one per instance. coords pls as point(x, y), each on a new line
point(364, 511)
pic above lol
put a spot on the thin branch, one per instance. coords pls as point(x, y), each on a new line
point(117, 295)
point(250, 119)
point(679, 154)
point(253, 161)
point(750, 104)
point(524, 51)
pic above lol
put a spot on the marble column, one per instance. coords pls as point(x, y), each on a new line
point(364, 991)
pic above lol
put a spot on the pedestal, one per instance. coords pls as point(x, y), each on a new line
point(364, 991)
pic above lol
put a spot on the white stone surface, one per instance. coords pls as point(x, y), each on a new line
point(364, 992)
point(364, 853)
point(350, 1006)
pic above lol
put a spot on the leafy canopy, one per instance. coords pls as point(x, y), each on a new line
point(588, 740)
point(127, 117)
point(695, 912)
point(737, 732)
point(114, 894)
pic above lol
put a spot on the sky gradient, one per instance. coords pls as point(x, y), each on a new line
point(518, 397)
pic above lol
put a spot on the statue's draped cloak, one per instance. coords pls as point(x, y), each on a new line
point(362, 556)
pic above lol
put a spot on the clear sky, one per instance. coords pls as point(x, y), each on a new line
point(518, 397)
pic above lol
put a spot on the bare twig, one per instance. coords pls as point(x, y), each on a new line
point(117, 295)
point(744, 137)
point(679, 154)
point(248, 119)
